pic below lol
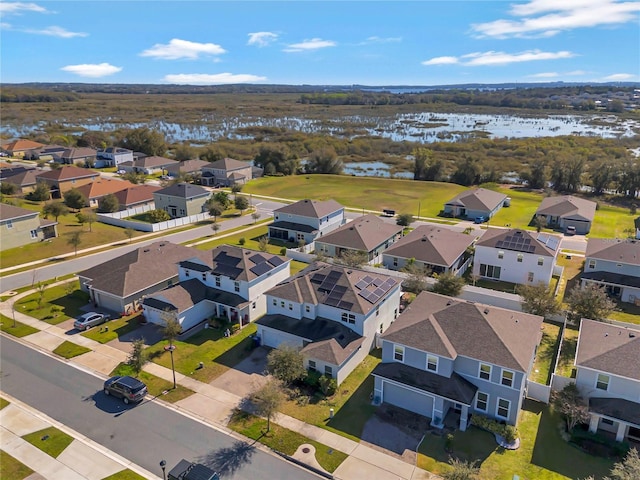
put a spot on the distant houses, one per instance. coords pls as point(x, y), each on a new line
point(306, 220)
point(567, 211)
point(475, 203)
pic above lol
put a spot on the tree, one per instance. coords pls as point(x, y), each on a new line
point(352, 258)
point(286, 364)
point(74, 199)
point(108, 204)
point(215, 208)
point(129, 233)
point(134, 177)
point(236, 188)
point(212, 154)
point(241, 203)
point(81, 219)
point(94, 139)
point(75, 238)
point(468, 172)
point(183, 152)
point(267, 400)
point(255, 216)
point(538, 299)
point(404, 219)
point(324, 161)
point(55, 208)
point(536, 177)
point(223, 199)
point(263, 243)
point(461, 470)
point(426, 167)
point(539, 222)
point(40, 193)
point(215, 226)
point(90, 217)
point(448, 284)
point(591, 301)
point(416, 282)
point(144, 140)
point(138, 356)
point(629, 468)
point(8, 188)
point(171, 328)
point(158, 215)
point(569, 403)
point(277, 158)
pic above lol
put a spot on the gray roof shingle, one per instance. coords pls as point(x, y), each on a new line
point(614, 250)
point(478, 199)
point(364, 233)
point(183, 190)
point(568, 207)
point(544, 244)
point(311, 208)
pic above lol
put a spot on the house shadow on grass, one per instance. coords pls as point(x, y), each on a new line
point(234, 355)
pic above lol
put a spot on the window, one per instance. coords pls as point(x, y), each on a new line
point(204, 276)
point(602, 382)
point(432, 363)
point(530, 277)
point(482, 401)
point(186, 273)
point(592, 264)
point(312, 365)
point(490, 271)
point(218, 282)
point(253, 305)
point(236, 286)
point(606, 421)
point(291, 306)
point(377, 311)
point(500, 254)
point(275, 302)
point(349, 318)
point(398, 353)
point(395, 314)
point(507, 378)
point(395, 261)
point(540, 261)
point(281, 303)
point(34, 233)
point(9, 224)
point(485, 371)
point(328, 370)
point(520, 258)
point(307, 308)
point(503, 408)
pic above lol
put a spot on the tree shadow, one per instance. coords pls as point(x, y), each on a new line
point(226, 461)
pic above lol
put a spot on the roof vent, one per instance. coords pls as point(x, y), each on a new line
point(146, 250)
point(606, 334)
point(486, 311)
point(449, 303)
point(632, 335)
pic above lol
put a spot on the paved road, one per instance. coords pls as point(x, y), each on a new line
point(144, 434)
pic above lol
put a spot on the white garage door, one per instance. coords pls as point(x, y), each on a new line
point(408, 399)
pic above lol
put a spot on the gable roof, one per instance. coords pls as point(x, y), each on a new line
point(20, 145)
point(614, 250)
point(186, 294)
point(432, 244)
point(337, 286)
point(80, 152)
point(9, 212)
point(311, 208)
point(153, 161)
point(103, 187)
point(136, 194)
point(609, 348)
point(449, 327)
point(227, 164)
point(69, 172)
point(183, 190)
point(478, 199)
point(140, 269)
point(567, 207)
point(22, 178)
point(524, 241)
point(363, 233)
point(188, 166)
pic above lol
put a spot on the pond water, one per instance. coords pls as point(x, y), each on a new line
point(373, 169)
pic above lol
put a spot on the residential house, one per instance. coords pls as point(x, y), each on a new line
point(181, 199)
point(64, 179)
point(615, 265)
point(636, 223)
point(516, 256)
point(120, 284)
point(188, 167)
point(18, 148)
point(437, 249)
point(229, 282)
point(306, 220)
point(332, 313)
point(113, 157)
point(567, 211)
point(148, 165)
point(19, 226)
point(24, 179)
point(136, 196)
point(445, 356)
point(477, 202)
point(369, 234)
point(80, 155)
point(48, 152)
point(94, 191)
point(226, 172)
point(608, 375)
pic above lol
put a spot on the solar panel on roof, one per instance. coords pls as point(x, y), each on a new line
point(275, 261)
point(339, 289)
point(261, 268)
point(365, 294)
point(317, 278)
point(227, 270)
point(361, 284)
point(257, 258)
point(379, 291)
point(373, 298)
point(377, 281)
point(368, 279)
point(333, 302)
point(532, 249)
point(390, 282)
point(345, 305)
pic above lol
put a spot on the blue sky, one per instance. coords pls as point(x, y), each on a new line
point(320, 42)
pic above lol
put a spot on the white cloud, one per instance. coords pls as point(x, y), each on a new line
point(441, 61)
point(619, 77)
point(545, 75)
point(177, 49)
point(93, 70)
point(5, 26)
point(55, 31)
point(210, 79)
point(376, 39)
point(545, 18)
point(17, 8)
point(309, 45)
point(502, 58)
point(262, 39)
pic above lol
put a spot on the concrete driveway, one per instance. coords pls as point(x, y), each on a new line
point(247, 376)
point(150, 332)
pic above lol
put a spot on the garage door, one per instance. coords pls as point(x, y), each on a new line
point(408, 399)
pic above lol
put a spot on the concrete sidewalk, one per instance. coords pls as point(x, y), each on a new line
point(214, 405)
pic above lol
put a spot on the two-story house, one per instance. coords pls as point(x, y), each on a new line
point(567, 211)
point(19, 226)
point(369, 234)
point(229, 282)
point(608, 374)
point(446, 355)
point(113, 157)
point(306, 220)
point(614, 264)
point(226, 172)
point(477, 202)
point(181, 199)
point(437, 249)
point(63, 179)
point(187, 167)
point(332, 313)
point(24, 179)
point(516, 256)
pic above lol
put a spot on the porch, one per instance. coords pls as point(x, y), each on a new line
point(615, 416)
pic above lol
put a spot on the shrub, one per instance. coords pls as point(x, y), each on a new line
point(596, 443)
point(312, 379)
point(328, 385)
point(242, 241)
point(283, 251)
point(235, 328)
point(508, 432)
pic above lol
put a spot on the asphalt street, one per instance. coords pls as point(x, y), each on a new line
point(144, 434)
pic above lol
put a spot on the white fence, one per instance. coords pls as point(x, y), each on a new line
point(558, 382)
point(539, 392)
point(119, 219)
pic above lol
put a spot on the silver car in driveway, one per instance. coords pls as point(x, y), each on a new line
point(89, 320)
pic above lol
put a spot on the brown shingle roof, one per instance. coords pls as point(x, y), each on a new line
point(614, 250)
point(431, 244)
point(568, 207)
point(524, 241)
point(21, 145)
point(9, 212)
point(478, 199)
point(449, 327)
point(227, 164)
point(103, 187)
point(68, 173)
point(79, 152)
point(136, 194)
point(23, 178)
point(154, 161)
point(188, 166)
point(311, 208)
point(609, 348)
point(363, 233)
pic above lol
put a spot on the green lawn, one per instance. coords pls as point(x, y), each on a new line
point(50, 440)
point(523, 206)
point(114, 328)
point(4, 402)
point(626, 312)
point(570, 276)
point(20, 329)
point(209, 346)
point(351, 403)
point(611, 222)
point(568, 353)
point(283, 440)
point(12, 469)
point(546, 355)
point(155, 385)
point(4, 298)
point(69, 350)
point(57, 304)
point(125, 475)
point(543, 454)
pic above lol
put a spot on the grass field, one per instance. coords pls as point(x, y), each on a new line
point(58, 303)
point(157, 387)
point(69, 350)
point(19, 330)
point(546, 354)
point(50, 440)
point(12, 469)
point(125, 475)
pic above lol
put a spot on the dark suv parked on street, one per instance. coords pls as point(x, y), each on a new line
point(128, 388)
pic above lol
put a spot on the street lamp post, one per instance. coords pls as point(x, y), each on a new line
point(163, 466)
point(171, 348)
